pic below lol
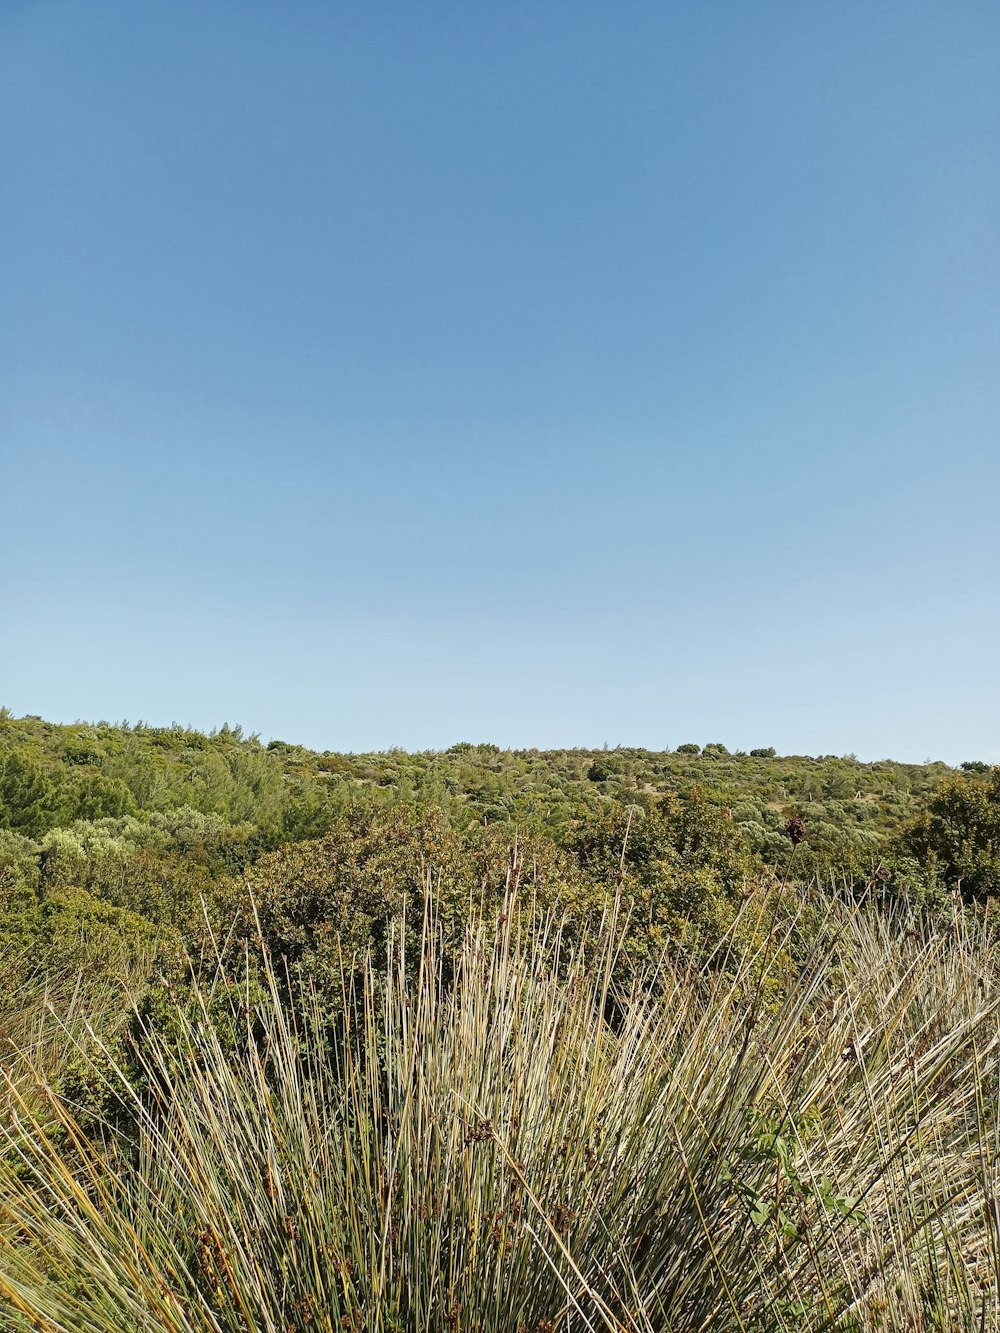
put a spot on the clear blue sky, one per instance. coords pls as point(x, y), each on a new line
point(545, 373)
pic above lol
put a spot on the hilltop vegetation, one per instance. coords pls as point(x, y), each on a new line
point(220, 800)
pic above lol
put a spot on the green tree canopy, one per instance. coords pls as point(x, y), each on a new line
point(958, 836)
point(28, 797)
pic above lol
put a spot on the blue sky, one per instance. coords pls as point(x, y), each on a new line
point(546, 373)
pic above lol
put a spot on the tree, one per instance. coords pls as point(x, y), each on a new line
point(607, 765)
point(28, 799)
point(98, 797)
point(681, 861)
point(329, 899)
point(958, 836)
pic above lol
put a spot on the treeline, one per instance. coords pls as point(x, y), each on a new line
point(55, 774)
point(111, 830)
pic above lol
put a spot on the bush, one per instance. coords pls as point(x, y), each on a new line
point(682, 864)
point(957, 839)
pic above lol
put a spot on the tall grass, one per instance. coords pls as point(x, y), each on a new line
point(539, 1141)
point(45, 1014)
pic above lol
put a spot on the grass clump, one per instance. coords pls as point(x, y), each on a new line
point(536, 1139)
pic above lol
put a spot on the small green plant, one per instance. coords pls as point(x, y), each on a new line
point(773, 1181)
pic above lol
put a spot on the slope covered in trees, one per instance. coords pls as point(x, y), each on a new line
point(53, 775)
point(117, 828)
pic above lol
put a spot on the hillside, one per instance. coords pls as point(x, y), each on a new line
point(111, 832)
point(55, 774)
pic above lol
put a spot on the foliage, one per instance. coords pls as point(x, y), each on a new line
point(681, 863)
point(27, 797)
point(957, 838)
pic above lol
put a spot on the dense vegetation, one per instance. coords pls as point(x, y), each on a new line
point(223, 799)
point(487, 1039)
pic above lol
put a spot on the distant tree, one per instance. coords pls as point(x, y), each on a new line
point(716, 747)
point(839, 786)
point(607, 765)
point(681, 861)
point(975, 766)
point(765, 752)
point(689, 748)
point(958, 836)
point(324, 900)
point(98, 797)
point(28, 798)
point(285, 747)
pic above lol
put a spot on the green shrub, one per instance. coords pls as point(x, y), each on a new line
point(958, 837)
